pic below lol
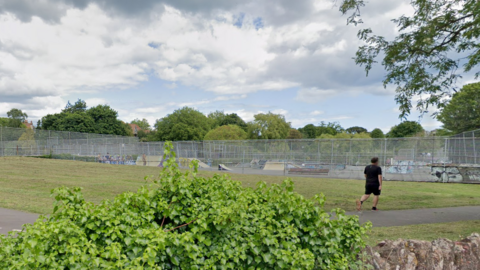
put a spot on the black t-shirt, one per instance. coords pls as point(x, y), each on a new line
point(372, 172)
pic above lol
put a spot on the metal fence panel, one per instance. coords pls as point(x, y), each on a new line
point(401, 158)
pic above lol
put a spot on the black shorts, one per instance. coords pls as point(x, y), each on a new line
point(372, 189)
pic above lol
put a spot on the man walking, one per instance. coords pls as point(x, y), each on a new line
point(373, 175)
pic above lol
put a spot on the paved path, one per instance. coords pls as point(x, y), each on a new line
point(418, 216)
point(13, 220)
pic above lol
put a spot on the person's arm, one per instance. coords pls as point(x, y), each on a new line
point(380, 178)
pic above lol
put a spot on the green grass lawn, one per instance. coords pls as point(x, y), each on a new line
point(451, 230)
point(25, 184)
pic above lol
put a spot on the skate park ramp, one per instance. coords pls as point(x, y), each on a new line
point(222, 167)
point(200, 164)
point(274, 166)
point(151, 161)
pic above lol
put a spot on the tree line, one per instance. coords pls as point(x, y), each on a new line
point(460, 114)
point(188, 124)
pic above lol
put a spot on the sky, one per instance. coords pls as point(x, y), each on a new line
point(147, 58)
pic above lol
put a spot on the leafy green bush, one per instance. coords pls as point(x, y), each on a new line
point(183, 221)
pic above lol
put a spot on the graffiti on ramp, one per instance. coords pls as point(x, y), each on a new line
point(222, 167)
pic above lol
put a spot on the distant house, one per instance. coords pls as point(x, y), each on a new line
point(135, 129)
point(29, 125)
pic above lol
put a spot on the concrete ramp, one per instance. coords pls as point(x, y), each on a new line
point(200, 164)
point(151, 161)
point(222, 167)
point(274, 166)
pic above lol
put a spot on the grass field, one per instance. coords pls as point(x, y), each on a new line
point(25, 184)
point(452, 230)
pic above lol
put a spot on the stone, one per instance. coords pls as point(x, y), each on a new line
point(440, 254)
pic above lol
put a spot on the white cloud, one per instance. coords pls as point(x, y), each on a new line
point(246, 115)
point(154, 113)
point(280, 111)
point(92, 102)
point(301, 122)
point(338, 118)
point(313, 95)
point(90, 49)
point(114, 45)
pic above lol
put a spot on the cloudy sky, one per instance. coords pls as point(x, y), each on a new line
point(147, 58)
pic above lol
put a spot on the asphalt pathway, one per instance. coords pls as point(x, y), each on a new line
point(12, 220)
point(418, 216)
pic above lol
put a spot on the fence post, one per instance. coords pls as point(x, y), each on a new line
point(318, 151)
point(285, 156)
point(433, 151)
point(385, 153)
point(331, 156)
point(243, 159)
point(474, 150)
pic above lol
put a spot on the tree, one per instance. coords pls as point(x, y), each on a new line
point(443, 132)
point(16, 118)
point(79, 106)
point(4, 121)
point(27, 142)
point(269, 126)
point(100, 119)
point(309, 131)
point(234, 119)
point(76, 122)
point(433, 48)
point(147, 136)
point(363, 135)
point(143, 124)
point(462, 113)
point(326, 136)
point(219, 118)
point(228, 132)
point(405, 129)
point(377, 133)
point(343, 135)
point(17, 114)
point(356, 130)
point(331, 128)
point(185, 124)
point(216, 118)
point(294, 134)
point(106, 121)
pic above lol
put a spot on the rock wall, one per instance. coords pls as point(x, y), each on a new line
point(440, 254)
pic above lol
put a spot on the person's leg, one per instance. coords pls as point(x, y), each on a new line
point(376, 195)
point(360, 202)
point(375, 200)
point(365, 197)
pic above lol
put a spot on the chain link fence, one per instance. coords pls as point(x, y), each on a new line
point(59, 144)
point(405, 159)
point(465, 147)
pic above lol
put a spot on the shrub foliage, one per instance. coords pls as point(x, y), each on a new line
point(183, 221)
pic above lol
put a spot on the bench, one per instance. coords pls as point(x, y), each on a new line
point(308, 171)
